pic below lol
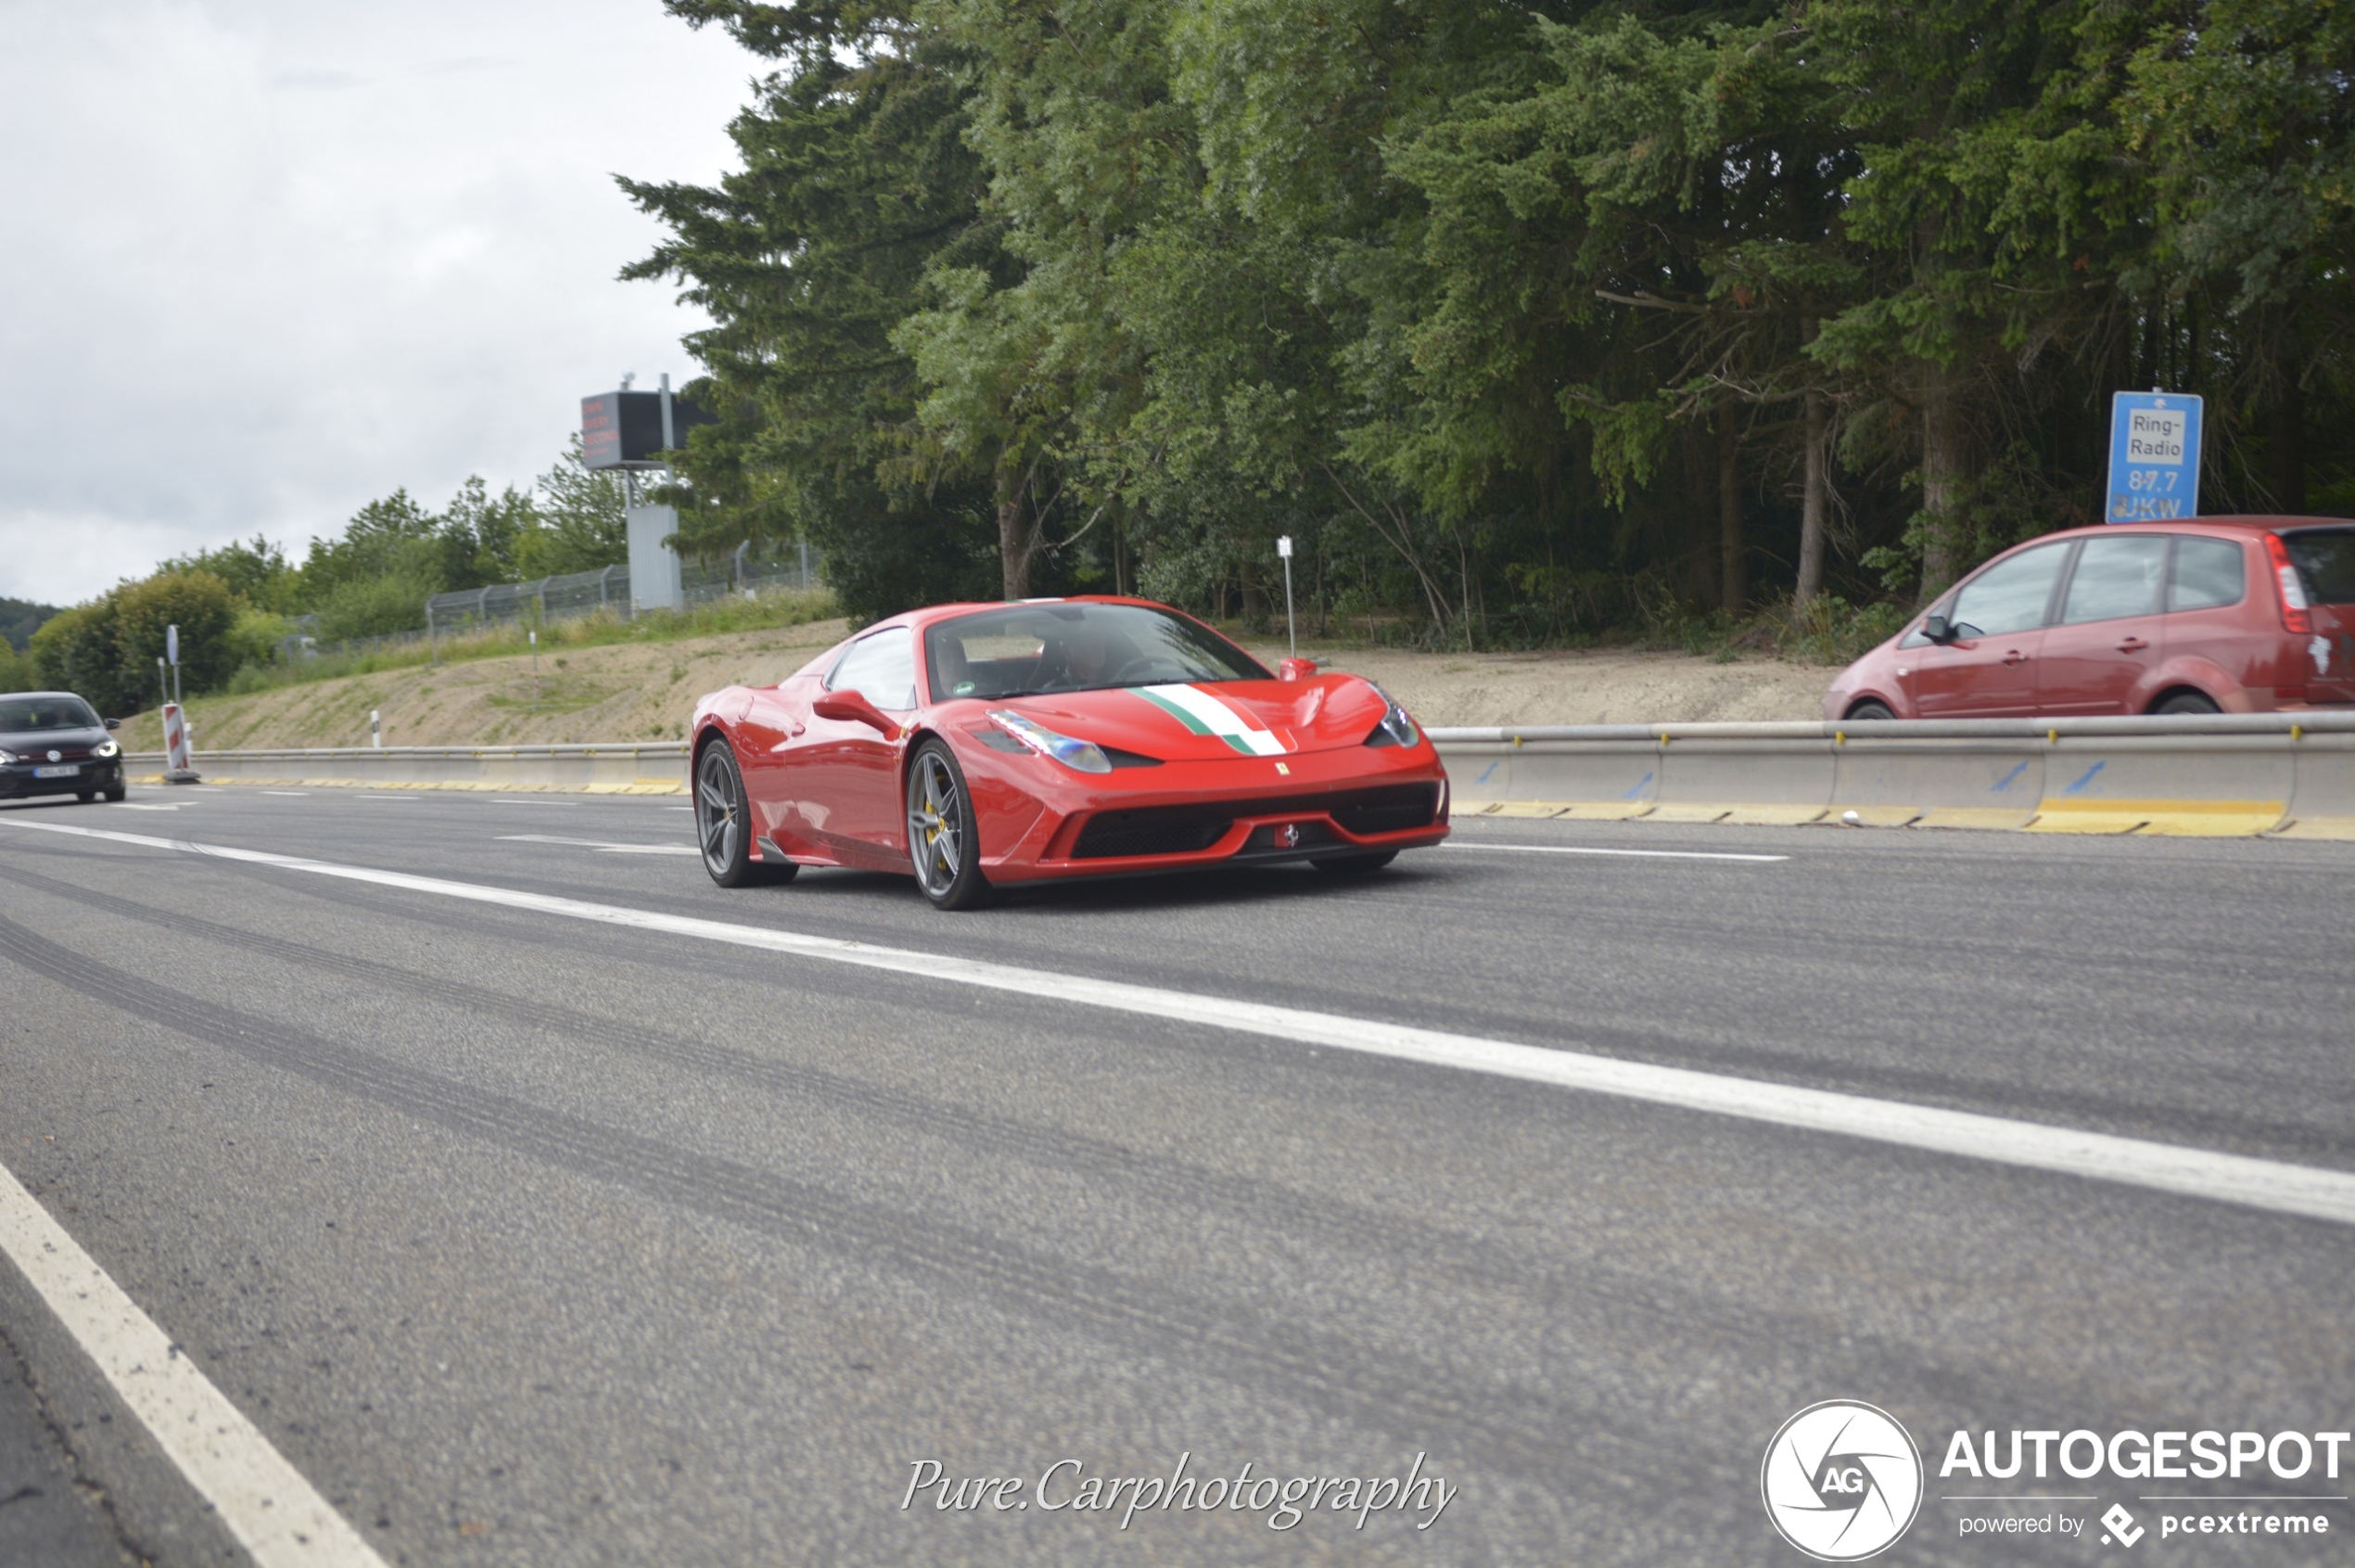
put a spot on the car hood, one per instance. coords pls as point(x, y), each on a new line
point(1208, 720)
point(37, 741)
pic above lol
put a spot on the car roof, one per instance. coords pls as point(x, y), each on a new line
point(932, 613)
point(11, 696)
point(2237, 524)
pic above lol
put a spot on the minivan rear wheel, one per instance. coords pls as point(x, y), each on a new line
point(1869, 712)
point(2186, 702)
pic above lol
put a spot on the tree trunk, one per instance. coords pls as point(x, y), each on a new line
point(1817, 429)
point(1813, 497)
point(1944, 471)
point(1255, 599)
point(2286, 444)
point(1733, 548)
point(1014, 538)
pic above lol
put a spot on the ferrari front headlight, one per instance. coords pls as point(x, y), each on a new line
point(1084, 757)
point(1397, 728)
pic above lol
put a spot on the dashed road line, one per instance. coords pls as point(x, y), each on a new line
point(1583, 849)
point(600, 845)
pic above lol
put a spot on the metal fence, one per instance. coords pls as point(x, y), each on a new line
point(579, 593)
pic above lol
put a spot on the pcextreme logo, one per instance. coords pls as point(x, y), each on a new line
point(1841, 1480)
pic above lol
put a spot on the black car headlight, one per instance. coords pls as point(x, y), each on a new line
point(1396, 727)
point(105, 750)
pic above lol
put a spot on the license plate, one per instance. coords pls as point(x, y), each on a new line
point(67, 771)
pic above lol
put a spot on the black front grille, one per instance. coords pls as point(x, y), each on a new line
point(1391, 809)
point(1187, 830)
point(1151, 830)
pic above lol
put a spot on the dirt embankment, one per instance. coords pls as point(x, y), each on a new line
point(641, 693)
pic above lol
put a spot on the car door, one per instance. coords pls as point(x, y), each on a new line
point(2106, 641)
point(1988, 669)
point(846, 773)
point(773, 721)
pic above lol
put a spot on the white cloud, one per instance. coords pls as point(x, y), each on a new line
point(265, 259)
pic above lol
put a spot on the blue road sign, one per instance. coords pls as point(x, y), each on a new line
point(2154, 457)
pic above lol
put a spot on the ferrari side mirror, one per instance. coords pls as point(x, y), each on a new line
point(1296, 669)
point(852, 707)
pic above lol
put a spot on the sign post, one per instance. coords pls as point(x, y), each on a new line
point(179, 760)
point(2154, 457)
point(1292, 637)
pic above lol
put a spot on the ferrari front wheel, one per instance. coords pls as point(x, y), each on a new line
point(723, 822)
point(942, 845)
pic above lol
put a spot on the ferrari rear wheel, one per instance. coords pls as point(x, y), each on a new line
point(1354, 865)
point(942, 845)
point(723, 824)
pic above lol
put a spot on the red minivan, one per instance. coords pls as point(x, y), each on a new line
point(2209, 615)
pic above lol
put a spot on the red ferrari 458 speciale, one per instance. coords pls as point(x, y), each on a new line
point(979, 745)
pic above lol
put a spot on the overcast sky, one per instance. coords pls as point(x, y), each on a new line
point(262, 261)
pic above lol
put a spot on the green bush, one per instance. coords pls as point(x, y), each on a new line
point(75, 651)
point(15, 671)
point(373, 606)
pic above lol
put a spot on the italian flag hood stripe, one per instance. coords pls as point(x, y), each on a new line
point(1206, 713)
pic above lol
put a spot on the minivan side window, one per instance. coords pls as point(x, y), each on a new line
point(2207, 574)
point(2009, 596)
point(882, 668)
point(2116, 576)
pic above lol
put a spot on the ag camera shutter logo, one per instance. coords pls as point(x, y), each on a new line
point(1841, 1480)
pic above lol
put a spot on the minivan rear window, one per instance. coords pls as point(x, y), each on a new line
point(2326, 559)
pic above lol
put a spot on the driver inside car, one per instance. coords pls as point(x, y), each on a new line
point(1080, 659)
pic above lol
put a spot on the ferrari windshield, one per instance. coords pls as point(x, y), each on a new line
point(1025, 650)
point(21, 715)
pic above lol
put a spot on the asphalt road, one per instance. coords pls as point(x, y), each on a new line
point(529, 1240)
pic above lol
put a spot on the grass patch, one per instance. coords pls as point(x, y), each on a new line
point(557, 694)
point(770, 611)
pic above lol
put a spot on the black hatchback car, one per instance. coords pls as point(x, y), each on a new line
point(51, 743)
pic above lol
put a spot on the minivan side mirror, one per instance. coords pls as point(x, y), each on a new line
point(111, 723)
point(1938, 628)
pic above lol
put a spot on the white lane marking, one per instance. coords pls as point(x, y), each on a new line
point(1582, 850)
point(2167, 1167)
point(286, 792)
point(511, 800)
point(388, 798)
point(274, 1512)
point(128, 806)
point(601, 845)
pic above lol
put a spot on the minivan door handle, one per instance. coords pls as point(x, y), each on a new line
point(2133, 646)
point(2012, 656)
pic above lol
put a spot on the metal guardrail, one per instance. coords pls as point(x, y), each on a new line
point(2228, 774)
point(2225, 774)
point(657, 768)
